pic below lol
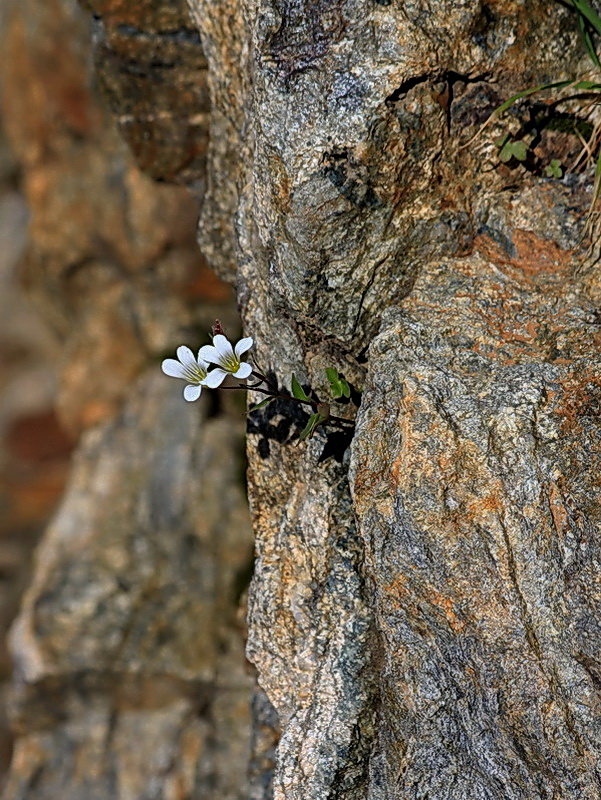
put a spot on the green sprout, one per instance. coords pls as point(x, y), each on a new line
point(338, 386)
point(554, 169)
point(589, 24)
point(509, 149)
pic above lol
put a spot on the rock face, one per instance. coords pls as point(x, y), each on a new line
point(424, 611)
point(129, 661)
point(426, 629)
point(152, 70)
point(112, 261)
point(130, 679)
point(473, 477)
point(34, 451)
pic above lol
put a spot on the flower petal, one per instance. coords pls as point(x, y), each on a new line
point(223, 347)
point(192, 393)
point(209, 354)
point(186, 356)
point(215, 378)
point(242, 346)
point(244, 370)
point(203, 363)
point(173, 368)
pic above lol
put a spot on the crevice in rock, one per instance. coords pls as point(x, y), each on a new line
point(405, 87)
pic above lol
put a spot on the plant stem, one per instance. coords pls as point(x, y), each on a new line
point(277, 396)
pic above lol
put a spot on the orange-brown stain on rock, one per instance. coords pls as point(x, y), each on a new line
point(558, 509)
point(281, 183)
point(534, 257)
point(446, 605)
point(479, 507)
point(374, 477)
point(399, 595)
point(582, 398)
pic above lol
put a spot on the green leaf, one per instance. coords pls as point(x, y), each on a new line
point(309, 428)
point(336, 390)
point(588, 13)
point(262, 404)
point(517, 150)
point(338, 386)
point(526, 93)
point(554, 169)
point(589, 86)
point(542, 87)
point(505, 154)
point(587, 38)
point(297, 390)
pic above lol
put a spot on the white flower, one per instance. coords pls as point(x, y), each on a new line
point(190, 369)
point(227, 359)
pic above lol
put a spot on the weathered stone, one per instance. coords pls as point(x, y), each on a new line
point(266, 734)
point(474, 481)
point(429, 634)
point(112, 257)
point(153, 73)
point(33, 450)
point(357, 181)
point(131, 679)
point(225, 44)
point(129, 662)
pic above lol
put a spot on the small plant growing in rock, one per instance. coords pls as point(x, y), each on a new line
point(221, 360)
point(508, 149)
point(589, 84)
point(554, 169)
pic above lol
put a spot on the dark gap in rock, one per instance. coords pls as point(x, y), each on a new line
point(337, 443)
point(405, 88)
point(483, 25)
point(456, 85)
point(242, 578)
point(264, 423)
point(362, 357)
point(549, 133)
point(350, 177)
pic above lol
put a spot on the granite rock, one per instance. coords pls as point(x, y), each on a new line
point(423, 625)
point(367, 214)
point(130, 677)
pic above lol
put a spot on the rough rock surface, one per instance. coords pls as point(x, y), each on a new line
point(153, 73)
point(130, 673)
point(425, 625)
point(128, 651)
point(474, 480)
point(34, 451)
point(362, 206)
point(112, 260)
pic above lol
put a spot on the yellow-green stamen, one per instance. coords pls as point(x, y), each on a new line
point(194, 374)
point(230, 364)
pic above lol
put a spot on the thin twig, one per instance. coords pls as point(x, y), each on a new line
point(277, 396)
